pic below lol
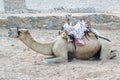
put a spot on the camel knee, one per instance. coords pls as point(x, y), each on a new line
point(61, 53)
point(105, 50)
point(105, 53)
point(109, 55)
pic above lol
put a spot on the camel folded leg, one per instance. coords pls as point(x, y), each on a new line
point(106, 52)
point(114, 53)
point(54, 60)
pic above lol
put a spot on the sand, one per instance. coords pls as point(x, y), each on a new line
point(18, 62)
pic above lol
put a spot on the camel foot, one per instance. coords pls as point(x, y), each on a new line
point(114, 53)
point(50, 57)
point(54, 60)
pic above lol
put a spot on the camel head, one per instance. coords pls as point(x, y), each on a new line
point(18, 33)
point(23, 33)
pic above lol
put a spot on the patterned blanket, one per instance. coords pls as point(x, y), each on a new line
point(77, 30)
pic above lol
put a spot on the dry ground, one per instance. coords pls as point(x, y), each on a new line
point(17, 62)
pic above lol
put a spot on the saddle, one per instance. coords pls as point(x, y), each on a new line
point(71, 38)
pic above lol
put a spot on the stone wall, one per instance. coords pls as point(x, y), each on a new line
point(2, 6)
point(38, 6)
point(74, 5)
point(12, 6)
point(99, 21)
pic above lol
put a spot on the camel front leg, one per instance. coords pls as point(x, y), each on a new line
point(62, 56)
point(54, 60)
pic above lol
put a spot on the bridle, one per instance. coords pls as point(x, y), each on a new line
point(18, 32)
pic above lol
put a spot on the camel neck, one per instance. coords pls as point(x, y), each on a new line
point(43, 48)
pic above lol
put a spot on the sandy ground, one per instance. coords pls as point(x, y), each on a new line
point(18, 62)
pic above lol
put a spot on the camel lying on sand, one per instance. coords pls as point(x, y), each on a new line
point(60, 49)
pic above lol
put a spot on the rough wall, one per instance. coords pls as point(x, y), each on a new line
point(99, 21)
point(2, 6)
point(74, 5)
point(14, 6)
point(38, 6)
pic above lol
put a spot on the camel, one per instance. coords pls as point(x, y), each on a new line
point(60, 49)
